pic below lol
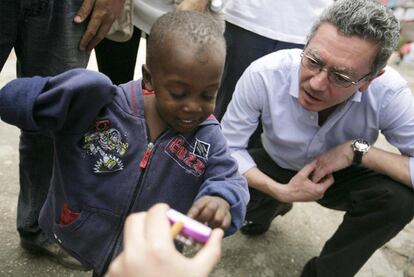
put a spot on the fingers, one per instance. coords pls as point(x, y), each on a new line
point(205, 209)
point(84, 11)
point(307, 170)
point(318, 174)
point(327, 181)
point(210, 254)
point(157, 227)
point(134, 230)
point(94, 33)
point(102, 14)
point(212, 210)
point(197, 207)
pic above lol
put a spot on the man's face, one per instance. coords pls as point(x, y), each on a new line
point(347, 56)
point(185, 81)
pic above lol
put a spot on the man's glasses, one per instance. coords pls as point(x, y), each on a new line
point(336, 78)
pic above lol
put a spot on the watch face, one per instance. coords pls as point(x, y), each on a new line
point(361, 145)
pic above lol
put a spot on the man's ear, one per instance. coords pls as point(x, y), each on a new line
point(146, 77)
point(366, 84)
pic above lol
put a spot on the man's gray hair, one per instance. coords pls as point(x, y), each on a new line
point(367, 19)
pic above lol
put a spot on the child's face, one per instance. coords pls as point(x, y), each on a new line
point(185, 81)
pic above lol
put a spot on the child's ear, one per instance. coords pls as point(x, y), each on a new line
point(146, 77)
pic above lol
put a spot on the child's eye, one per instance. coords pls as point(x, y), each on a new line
point(177, 94)
point(209, 97)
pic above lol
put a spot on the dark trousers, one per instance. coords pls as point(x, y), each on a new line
point(46, 42)
point(377, 209)
point(117, 59)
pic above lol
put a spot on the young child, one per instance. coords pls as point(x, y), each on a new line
point(122, 149)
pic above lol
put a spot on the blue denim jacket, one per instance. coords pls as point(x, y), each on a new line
point(104, 167)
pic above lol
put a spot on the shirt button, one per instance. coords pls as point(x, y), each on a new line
point(312, 117)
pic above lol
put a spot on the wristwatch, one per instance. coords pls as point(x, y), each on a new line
point(360, 147)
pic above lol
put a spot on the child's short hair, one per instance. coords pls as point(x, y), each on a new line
point(192, 27)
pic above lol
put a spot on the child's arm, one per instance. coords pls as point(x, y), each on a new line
point(69, 99)
point(221, 178)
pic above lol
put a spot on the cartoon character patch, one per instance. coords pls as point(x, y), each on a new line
point(187, 156)
point(105, 143)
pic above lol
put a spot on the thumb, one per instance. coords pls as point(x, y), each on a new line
point(308, 169)
point(209, 255)
point(327, 181)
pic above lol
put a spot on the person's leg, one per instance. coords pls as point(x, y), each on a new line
point(48, 39)
point(9, 16)
point(117, 59)
point(377, 208)
point(36, 158)
point(262, 208)
point(47, 44)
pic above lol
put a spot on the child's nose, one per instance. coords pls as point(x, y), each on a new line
point(192, 106)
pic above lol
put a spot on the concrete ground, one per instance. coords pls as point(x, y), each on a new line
point(281, 252)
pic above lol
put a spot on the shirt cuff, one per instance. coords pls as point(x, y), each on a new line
point(244, 160)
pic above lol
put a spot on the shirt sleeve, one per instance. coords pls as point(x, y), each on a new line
point(397, 123)
point(64, 102)
point(242, 117)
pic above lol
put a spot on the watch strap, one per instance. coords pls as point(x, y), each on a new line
point(357, 157)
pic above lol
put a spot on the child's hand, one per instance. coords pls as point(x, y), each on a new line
point(213, 210)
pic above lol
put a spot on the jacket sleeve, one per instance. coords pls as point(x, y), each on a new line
point(221, 178)
point(68, 101)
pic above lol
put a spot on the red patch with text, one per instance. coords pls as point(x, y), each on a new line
point(183, 154)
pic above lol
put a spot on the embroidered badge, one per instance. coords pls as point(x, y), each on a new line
point(183, 154)
point(105, 144)
point(201, 149)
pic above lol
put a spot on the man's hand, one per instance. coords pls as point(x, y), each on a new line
point(213, 210)
point(149, 249)
point(334, 160)
point(193, 5)
point(102, 14)
point(302, 189)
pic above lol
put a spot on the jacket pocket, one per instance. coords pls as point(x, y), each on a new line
point(90, 236)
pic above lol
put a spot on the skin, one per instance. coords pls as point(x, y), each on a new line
point(102, 14)
point(317, 94)
point(193, 5)
point(149, 249)
point(185, 80)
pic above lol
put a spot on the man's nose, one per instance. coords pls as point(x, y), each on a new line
point(320, 80)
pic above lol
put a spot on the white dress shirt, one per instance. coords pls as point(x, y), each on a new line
point(291, 135)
